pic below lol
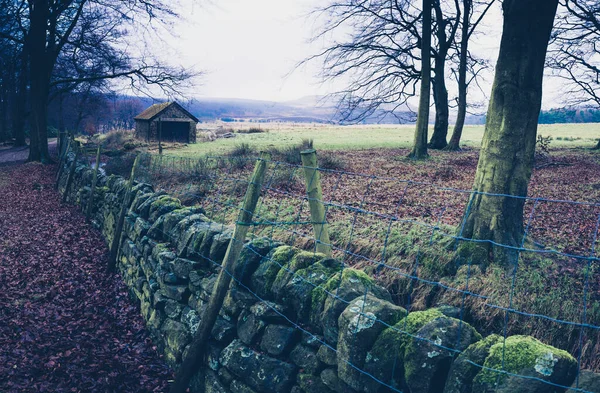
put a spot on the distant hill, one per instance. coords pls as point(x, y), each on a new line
point(319, 109)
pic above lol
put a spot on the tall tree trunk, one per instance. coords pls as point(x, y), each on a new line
point(3, 110)
point(18, 121)
point(40, 82)
point(440, 92)
point(508, 147)
point(419, 150)
point(454, 143)
point(442, 113)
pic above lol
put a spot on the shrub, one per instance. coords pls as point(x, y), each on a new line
point(332, 162)
point(118, 139)
point(252, 130)
point(120, 165)
point(284, 179)
point(542, 147)
point(241, 150)
point(291, 154)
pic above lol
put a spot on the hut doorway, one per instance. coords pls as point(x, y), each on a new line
point(175, 131)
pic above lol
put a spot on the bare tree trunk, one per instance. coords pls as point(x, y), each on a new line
point(3, 112)
point(454, 143)
point(40, 82)
point(440, 92)
point(18, 121)
point(508, 147)
point(419, 150)
point(442, 113)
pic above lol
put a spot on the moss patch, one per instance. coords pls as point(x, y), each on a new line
point(387, 353)
point(520, 353)
point(320, 293)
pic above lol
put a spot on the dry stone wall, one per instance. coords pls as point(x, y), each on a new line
point(298, 322)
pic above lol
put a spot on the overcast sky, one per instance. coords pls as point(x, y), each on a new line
point(248, 49)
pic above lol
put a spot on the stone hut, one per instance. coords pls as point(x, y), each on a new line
point(169, 121)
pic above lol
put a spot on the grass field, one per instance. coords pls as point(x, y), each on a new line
point(329, 137)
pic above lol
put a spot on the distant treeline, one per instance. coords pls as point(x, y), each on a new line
point(570, 115)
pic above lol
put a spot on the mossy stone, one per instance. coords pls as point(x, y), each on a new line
point(251, 256)
point(464, 370)
point(385, 360)
point(298, 292)
point(524, 355)
point(163, 205)
point(263, 278)
point(359, 327)
point(429, 355)
point(300, 260)
point(330, 299)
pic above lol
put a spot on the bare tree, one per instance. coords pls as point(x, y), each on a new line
point(447, 20)
point(379, 57)
point(469, 66)
point(419, 150)
point(75, 42)
point(575, 50)
point(14, 67)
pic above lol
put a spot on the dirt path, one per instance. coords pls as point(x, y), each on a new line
point(18, 155)
point(65, 326)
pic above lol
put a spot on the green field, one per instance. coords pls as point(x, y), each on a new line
point(328, 137)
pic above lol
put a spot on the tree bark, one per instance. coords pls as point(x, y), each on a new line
point(440, 92)
point(440, 97)
point(454, 143)
point(3, 111)
point(40, 82)
point(419, 150)
point(18, 121)
point(508, 147)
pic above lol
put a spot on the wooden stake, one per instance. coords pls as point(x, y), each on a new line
point(88, 212)
point(116, 241)
point(61, 164)
point(198, 345)
point(71, 173)
point(315, 201)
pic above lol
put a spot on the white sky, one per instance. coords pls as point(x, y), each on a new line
point(248, 48)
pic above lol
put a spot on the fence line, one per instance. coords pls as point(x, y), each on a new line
point(227, 174)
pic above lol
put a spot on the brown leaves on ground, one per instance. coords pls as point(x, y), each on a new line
point(65, 326)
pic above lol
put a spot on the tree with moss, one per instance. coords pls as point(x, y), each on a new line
point(508, 147)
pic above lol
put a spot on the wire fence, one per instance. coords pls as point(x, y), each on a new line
point(406, 234)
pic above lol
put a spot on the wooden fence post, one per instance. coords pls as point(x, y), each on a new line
point(198, 345)
point(116, 241)
point(160, 149)
point(71, 172)
point(88, 212)
point(315, 201)
point(61, 163)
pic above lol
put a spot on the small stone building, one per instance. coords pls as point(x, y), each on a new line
point(168, 120)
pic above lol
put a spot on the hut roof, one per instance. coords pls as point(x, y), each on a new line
point(156, 109)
